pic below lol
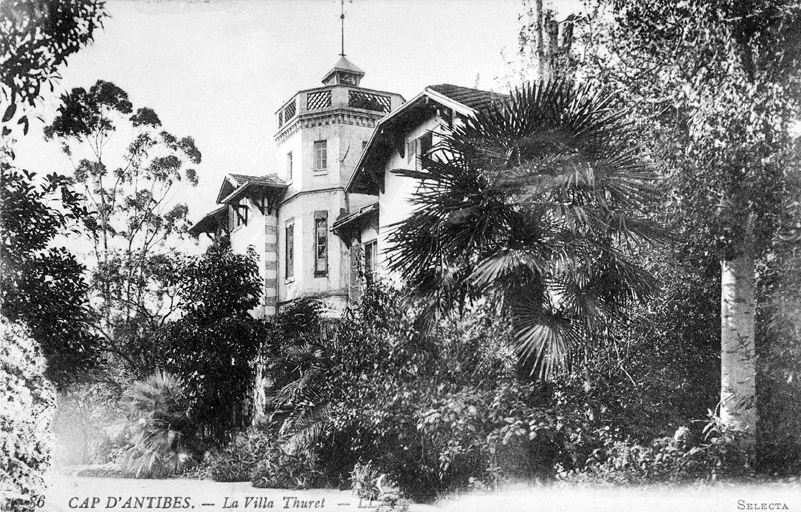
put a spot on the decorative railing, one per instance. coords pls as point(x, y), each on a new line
point(369, 101)
point(317, 100)
point(287, 112)
point(290, 111)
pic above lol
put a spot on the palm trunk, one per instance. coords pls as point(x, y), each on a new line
point(738, 356)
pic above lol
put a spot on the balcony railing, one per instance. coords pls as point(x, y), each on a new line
point(337, 96)
point(369, 101)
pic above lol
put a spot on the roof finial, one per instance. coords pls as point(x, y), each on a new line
point(342, 18)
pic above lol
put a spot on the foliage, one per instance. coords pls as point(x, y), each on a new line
point(259, 456)
point(219, 284)
point(779, 322)
point(660, 370)
point(369, 484)
point(130, 187)
point(432, 412)
point(709, 82)
point(38, 36)
point(213, 346)
point(236, 462)
point(42, 285)
point(364, 480)
point(534, 203)
point(157, 418)
point(25, 417)
point(677, 459)
point(283, 469)
point(713, 88)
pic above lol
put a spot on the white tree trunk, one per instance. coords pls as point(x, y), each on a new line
point(260, 383)
point(738, 356)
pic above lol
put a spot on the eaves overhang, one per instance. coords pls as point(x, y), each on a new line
point(382, 141)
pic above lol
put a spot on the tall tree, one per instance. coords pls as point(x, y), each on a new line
point(131, 187)
point(535, 202)
point(715, 87)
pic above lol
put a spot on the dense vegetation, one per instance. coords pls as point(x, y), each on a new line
point(560, 320)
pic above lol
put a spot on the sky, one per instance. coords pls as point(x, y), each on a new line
point(219, 69)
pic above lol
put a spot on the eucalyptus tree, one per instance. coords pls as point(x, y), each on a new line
point(536, 203)
point(714, 89)
point(129, 169)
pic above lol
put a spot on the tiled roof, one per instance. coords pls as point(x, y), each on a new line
point(235, 186)
point(347, 219)
point(269, 180)
point(209, 222)
point(473, 98)
point(344, 64)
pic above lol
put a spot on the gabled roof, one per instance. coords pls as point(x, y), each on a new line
point(210, 222)
point(233, 188)
point(236, 185)
point(388, 133)
point(474, 99)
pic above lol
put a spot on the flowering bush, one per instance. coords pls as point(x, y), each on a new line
point(25, 417)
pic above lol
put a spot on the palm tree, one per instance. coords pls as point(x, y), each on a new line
point(536, 203)
point(156, 414)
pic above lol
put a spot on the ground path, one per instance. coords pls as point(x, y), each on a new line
point(69, 493)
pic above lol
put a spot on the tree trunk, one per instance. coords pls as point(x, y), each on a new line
point(550, 42)
point(737, 355)
point(260, 383)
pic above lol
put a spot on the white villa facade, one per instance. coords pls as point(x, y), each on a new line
point(326, 208)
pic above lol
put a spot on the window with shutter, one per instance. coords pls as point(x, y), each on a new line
point(370, 257)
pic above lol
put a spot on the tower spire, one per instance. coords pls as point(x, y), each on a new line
point(342, 19)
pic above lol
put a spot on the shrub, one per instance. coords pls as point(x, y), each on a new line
point(235, 463)
point(433, 412)
point(25, 417)
point(261, 457)
point(281, 469)
point(677, 459)
point(156, 415)
point(238, 460)
point(364, 480)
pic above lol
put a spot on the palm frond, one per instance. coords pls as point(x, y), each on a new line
point(535, 199)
